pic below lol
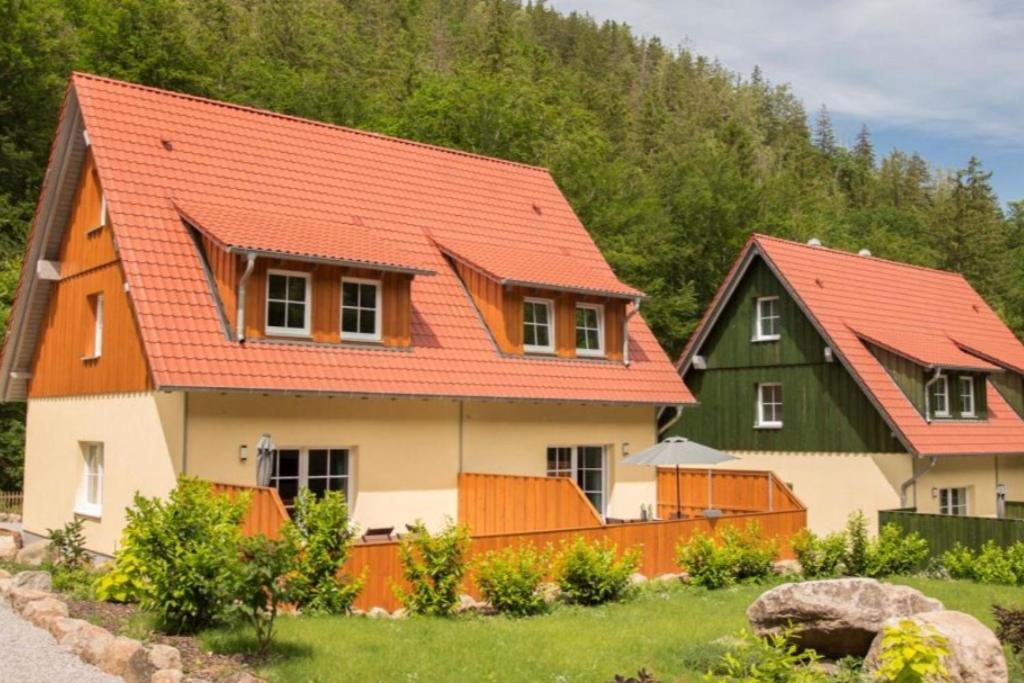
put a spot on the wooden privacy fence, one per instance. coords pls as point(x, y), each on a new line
point(266, 511)
point(1014, 509)
point(656, 541)
point(944, 531)
point(732, 492)
point(503, 503)
point(11, 501)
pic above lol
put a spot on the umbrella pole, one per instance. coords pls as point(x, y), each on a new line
point(679, 505)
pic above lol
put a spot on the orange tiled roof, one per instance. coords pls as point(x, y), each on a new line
point(925, 314)
point(228, 163)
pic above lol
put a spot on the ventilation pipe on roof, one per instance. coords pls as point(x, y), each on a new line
point(625, 331)
point(250, 263)
point(913, 480)
point(928, 397)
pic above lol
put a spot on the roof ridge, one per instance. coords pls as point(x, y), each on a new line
point(307, 121)
point(757, 236)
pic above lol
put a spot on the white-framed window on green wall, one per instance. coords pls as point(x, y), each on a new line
point(769, 406)
point(940, 397)
point(767, 318)
point(967, 396)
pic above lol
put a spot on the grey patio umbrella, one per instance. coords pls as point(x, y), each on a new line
point(265, 449)
point(677, 451)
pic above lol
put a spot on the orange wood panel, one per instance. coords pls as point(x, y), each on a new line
point(378, 563)
point(225, 269)
point(266, 514)
point(733, 491)
point(614, 316)
point(502, 503)
point(87, 243)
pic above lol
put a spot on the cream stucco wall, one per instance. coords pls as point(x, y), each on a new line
point(833, 485)
point(975, 473)
point(141, 436)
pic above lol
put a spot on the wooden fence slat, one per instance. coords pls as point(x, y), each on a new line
point(499, 503)
point(944, 531)
point(11, 501)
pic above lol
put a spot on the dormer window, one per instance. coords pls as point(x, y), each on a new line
point(288, 296)
point(589, 330)
point(766, 325)
point(940, 398)
point(967, 396)
point(538, 327)
point(360, 309)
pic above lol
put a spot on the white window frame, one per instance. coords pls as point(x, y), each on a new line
point(943, 384)
point(375, 336)
point(966, 381)
point(759, 318)
point(961, 508)
point(599, 310)
point(536, 348)
point(271, 330)
point(95, 302)
point(303, 475)
point(573, 474)
point(92, 470)
point(760, 422)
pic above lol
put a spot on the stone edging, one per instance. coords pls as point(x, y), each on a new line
point(30, 595)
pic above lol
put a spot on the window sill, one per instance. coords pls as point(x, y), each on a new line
point(90, 511)
point(359, 340)
point(95, 230)
point(584, 353)
point(90, 359)
point(769, 425)
point(285, 334)
point(755, 340)
point(538, 352)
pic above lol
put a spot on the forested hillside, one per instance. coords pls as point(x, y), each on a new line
point(670, 159)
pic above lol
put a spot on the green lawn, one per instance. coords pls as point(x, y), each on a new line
point(670, 631)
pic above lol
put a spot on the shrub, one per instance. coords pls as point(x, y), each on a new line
point(819, 557)
point(510, 580)
point(857, 545)
point(754, 555)
point(993, 565)
point(263, 585)
point(772, 659)
point(895, 553)
point(1010, 626)
point(68, 546)
point(959, 562)
point(322, 538)
point(434, 566)
point(124, 581)
point(594, 573)
point(708, 564)
point(187, 551)
point(911, 654)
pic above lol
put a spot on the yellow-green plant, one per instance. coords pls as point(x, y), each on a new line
point(912, 654)
point(509, 579)
point(123, 582)
point(595, 573)
point(434, 565)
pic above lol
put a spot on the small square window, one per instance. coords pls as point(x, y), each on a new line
point(360, 309)
point(538, 326)
point(953, 501)
point(90, 494)
point(766, 324)
point(769, 406)
point(589, 330)
point(288, 306)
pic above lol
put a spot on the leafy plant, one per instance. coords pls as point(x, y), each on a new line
point(993, 565)
point(819, 557)
point(263, 583)
point(76, 582)
point(321, 535)
point(708, 564)
point(771, 659)
point(754, 555)
point(911, 654)
point(68, 545)
point(595, 573)
point(124, 581)
point(434, 565)
point(959, 562)
point(857, 544)
point(642, 676)
point(895, 553)
point(1010, 626)
point(187, 552)
point(510, 579)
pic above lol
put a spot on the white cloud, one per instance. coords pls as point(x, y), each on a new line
point(951, 67)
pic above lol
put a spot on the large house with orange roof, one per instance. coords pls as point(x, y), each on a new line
point(389, 314)
point(866, 384)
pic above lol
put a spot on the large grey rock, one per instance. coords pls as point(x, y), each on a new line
point(838, 617)
point(39, 581)
point(975, 655)
point(34, 553)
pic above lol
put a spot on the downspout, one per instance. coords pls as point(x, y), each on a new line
point(625, 331)
point(928, 397)
point(675, 418)
point(913, 480)
point(250, 263)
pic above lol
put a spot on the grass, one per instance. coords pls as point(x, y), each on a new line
point(670, 631)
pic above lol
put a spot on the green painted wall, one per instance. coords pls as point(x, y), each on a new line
point(823, 408)
point(1011, 386)
point(911, 378)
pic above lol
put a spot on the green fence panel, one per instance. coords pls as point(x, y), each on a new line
point(1015, 509)
point(944, 531)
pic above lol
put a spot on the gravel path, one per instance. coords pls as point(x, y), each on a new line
point(30, 655)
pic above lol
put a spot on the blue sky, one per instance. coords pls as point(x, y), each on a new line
point(944, 78)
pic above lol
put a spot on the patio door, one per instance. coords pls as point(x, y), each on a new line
point(586, 465)
point(316, 469)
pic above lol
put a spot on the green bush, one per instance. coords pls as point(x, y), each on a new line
point(855, 559)
point(510, 579)
point(959, 562)
point(594, 573)
point(434, 565)
point(772, 659)
point(187, 551)
point(754, 555)
point(819, 557)
point(124, 581)
point(68, 546)
point(911, 654)
point(263, 583)
point(322, 536)
point(993, 565)
point(895, 553)
point(708, 564)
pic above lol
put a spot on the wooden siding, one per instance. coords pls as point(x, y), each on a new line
point(823, 407)
point(501, 308)
point(266, 513)
point(733, 492)
point(911, 379)
point(1011, 387)
point(504, 503)
point(378, 562)
point(325, 316)
point(225, 268)
point(63, 364)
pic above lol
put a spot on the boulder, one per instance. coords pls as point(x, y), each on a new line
point(400, 613)
point(40, 581)
point(378, 613)
point(20, 597)
point(42, 612)
point(975, 655)
point(669, 577)
point(88, 642)
point(147, 661)
point(167, 676)
point(836, 618)
point(787, 567)
point(550, 592)
point(115, 657)
point(4, 574)
point(5, 587)
point(60, 628)
point(34, 553)
point(8, 548)
point(467, 603)
point(636, 578)
point(164, 657)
